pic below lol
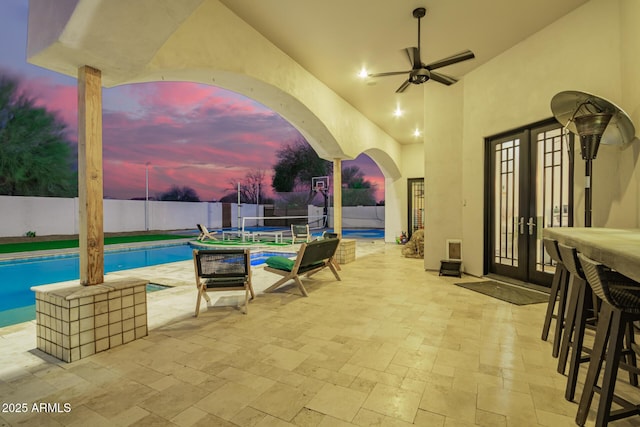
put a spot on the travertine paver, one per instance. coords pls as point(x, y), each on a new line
point(390, 344)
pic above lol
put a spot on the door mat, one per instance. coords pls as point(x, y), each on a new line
point(517, 295)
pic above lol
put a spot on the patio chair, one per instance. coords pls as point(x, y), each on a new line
point(330, 235)
point(300, 232)
point(222, 270)
point(614, 344)
point(311, 258)
point(205, 234)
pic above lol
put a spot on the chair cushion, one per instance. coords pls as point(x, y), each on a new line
point(280, 263)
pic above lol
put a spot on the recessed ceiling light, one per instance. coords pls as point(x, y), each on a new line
point(416, 132)
point(398, 112)
point(363, 73)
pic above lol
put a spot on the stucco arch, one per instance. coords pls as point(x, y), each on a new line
point(386, 164)
point(242, 60)
point(203, 41)
point(199, 41)
point(290, 108)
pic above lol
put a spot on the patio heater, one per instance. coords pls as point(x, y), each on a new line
point(596, 121)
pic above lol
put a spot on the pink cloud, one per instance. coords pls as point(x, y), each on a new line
point(192, 134)
point(164, 120)
point(62, 100)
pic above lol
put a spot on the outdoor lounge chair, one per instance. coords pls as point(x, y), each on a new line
point(205, 234)
point(222, 270)
point(331, 235)
point(300, 232)
point(311, 258)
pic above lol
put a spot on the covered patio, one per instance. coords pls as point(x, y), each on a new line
point(393, 343)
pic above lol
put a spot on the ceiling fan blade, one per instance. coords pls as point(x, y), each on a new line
point(443, 78)
point(391, 73)
point(454, 59)
point(403, 87)
point(413, 53)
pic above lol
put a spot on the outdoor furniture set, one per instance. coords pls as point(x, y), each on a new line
point(596, 286)
point(230, 269)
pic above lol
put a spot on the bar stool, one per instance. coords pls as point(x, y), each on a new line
point(581, 312)
point(559, 288)
point(621, 307)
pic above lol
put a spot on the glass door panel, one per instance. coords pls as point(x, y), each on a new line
point(553, 172)
point(416, 205)
point(507, 200)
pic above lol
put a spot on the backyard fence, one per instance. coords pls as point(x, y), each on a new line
point(54, 215)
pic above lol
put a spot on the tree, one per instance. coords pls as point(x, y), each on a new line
point(358, 191)
point(297, 164)
point(251, 189)
point(353, 177)
point(36, 159)
point(179, 194)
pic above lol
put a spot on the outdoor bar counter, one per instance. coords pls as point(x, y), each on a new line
point(618, 249)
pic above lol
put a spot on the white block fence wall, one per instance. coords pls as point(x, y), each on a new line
point(53, 215)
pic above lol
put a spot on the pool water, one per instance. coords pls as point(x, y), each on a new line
point(17, 301)
point(365, 233)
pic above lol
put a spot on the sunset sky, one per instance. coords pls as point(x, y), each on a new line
point(191, 134)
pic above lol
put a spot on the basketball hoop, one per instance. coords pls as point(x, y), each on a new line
point(320, 183)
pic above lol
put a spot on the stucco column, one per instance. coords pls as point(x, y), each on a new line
point(90, 190)
point(337, 197)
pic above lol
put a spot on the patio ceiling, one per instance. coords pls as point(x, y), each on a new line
point(335, 39)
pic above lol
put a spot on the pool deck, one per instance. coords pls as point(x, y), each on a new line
point(389, 345)
point(163, 307)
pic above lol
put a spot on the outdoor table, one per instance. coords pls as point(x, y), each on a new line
point(618, 249)
point(234, 233)
point(277, 235)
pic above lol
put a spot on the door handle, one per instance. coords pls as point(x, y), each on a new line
point(531, 224)
point(521, 225)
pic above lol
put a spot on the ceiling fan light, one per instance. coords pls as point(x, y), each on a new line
point(420, 76)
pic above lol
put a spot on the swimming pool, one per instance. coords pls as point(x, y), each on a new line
point(17, 301)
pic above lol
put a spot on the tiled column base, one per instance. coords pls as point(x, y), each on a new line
point(74, 321)
point(346, 251)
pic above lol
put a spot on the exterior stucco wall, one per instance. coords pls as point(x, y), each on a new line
point(395, 191)
point(442, 171)
point(515, 89)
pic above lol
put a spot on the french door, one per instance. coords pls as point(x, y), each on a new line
point(416, 205)
point(530, 180)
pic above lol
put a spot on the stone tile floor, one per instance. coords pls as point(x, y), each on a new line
point(389, 345)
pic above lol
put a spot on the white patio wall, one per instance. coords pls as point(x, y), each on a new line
point(52, 215)
point(355, 216)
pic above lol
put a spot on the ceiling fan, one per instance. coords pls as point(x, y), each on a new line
point(420, 73)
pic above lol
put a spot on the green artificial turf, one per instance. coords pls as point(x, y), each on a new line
point(73, 243)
